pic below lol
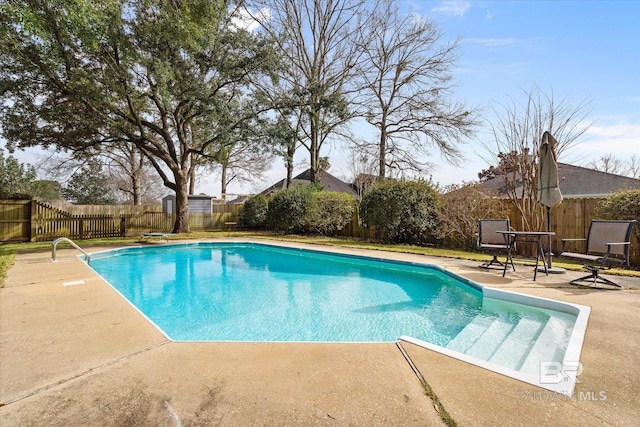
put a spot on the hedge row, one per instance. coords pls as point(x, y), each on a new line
point(402, 212)
point(299, 209)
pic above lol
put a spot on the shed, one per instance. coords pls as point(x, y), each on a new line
point(197, 204)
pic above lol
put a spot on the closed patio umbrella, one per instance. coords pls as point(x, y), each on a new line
point(549, 194)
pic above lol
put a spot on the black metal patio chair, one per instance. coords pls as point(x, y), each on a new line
point(489, 240)
point(607, 245)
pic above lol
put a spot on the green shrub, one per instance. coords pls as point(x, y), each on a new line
point(254, 213)
point(329, 212)
point(622, 205)
point(405, 212)
point(288, 208)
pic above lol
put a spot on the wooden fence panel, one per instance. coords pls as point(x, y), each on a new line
point(356, 229)
point(202, 221)
point(15, 220)
point(106, 209)
point(149, 222)
point(158, 222)
point(224, 208)
point(49, 223)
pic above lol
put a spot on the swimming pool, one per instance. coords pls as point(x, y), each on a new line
point(258, 292)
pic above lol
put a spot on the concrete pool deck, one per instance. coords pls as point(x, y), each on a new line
point(73, 352)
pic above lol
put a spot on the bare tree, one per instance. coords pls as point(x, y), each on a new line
point(611, 164)
point(608, 164)
point(407, 92)
point(316, 38)
point(633, 166)
point(362, 168)
point(241, 162)
point(285, 136)
point(517, 134)
point(133, 176)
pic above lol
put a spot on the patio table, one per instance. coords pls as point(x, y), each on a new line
point(510, 238)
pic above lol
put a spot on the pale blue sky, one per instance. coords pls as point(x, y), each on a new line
point(585, 51)
point(582, 50)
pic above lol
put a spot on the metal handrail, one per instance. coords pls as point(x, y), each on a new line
point(66, 239)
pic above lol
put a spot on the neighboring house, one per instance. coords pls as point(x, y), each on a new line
point(238, 200)
point(364, 182)
point(197, 204)
point(577, 181)
point(328, 182)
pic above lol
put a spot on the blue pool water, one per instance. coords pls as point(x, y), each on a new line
point(249, 292)
point(252, 292)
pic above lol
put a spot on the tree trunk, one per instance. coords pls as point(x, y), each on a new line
point(137, 199)
point(136, 166)
point(223, 183)
point(314, 146)
point(291, 151)
point(383, 151)
point(182, 203)
point(192, 179)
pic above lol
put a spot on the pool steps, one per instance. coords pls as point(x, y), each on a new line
point(517, 342)
point(545, 348)
point(518, 345)
point(470, 334)
point(489, 341)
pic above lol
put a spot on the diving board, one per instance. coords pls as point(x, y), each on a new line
point(146, 237)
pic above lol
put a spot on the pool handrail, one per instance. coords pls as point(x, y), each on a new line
point(66, 239)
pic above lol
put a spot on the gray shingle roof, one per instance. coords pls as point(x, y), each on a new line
point(328, 181)
point(577, 181)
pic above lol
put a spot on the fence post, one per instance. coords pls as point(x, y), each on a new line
point(33, 221)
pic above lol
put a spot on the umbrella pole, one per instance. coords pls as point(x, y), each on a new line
point(549, 230)
point(550, 268)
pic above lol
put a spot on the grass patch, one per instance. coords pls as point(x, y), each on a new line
point(437, 405)
point(444, 415)
point(6, 261)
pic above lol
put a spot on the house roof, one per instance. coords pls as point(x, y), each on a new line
point(238, 200)
point(328, 181)
point(577, 181)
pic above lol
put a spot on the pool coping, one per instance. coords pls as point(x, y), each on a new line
point(565, 378)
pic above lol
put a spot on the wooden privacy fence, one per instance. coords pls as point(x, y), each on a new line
point(27, 220)
point(571, 220)
point(105, 209)
point(15, 220)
